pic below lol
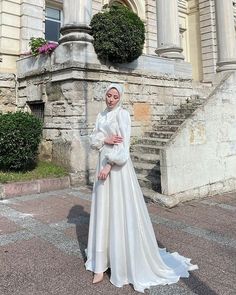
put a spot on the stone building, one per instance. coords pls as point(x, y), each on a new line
point(180, 92)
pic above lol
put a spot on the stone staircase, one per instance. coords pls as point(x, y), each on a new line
point(145, 152)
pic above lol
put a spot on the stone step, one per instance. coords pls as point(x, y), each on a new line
point(152, 141)
point(147, 169)
point(181, 116)
point(146, 158)
point(191, 105)
point(159, 198)
point(172, 121)
point(150, 182)
point(145, 155)
point(159, 134)
point(147, 149)
point(168, 128)
point(185, 111)
point(149, 194)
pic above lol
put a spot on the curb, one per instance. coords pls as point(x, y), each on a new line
point(16, 189)
point(162, 200)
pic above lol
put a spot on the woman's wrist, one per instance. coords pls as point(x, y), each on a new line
point(105, 141)
point(110, 163)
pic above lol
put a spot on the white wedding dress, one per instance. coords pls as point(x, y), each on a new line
point(121, 236)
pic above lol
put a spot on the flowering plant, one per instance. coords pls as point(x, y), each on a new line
point(41, 46)
point(47, 48)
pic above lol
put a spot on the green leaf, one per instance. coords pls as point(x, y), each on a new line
point(20, 135)
point(119, 34)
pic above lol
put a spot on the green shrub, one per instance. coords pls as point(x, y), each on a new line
point(118, 33)
point(20, 135)
point(35, 44)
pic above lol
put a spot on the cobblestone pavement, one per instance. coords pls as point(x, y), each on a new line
point(43, 236)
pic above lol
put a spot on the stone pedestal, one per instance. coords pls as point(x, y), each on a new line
point(226, 37)
point(76, 42)
point(168, 30)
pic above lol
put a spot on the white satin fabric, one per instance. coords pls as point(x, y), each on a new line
point(121, 236)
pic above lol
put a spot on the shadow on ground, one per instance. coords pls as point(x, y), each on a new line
point(78, 216)
point(197, 286)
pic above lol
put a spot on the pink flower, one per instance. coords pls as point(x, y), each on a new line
point(47, 48)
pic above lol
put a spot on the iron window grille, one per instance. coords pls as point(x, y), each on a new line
point(37, 108)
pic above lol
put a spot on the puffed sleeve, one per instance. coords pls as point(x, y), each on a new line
point(97, 137)
point(120, 152)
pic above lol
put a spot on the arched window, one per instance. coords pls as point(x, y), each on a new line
point(137, 6)
point(125, 3)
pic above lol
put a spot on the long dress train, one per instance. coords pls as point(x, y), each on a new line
point(121, 236)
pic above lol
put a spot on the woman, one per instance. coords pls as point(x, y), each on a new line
point(121, 235)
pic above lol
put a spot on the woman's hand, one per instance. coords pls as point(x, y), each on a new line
point(113, 139)
point(104, 172)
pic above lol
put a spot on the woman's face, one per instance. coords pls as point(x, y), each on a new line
point(112, 98)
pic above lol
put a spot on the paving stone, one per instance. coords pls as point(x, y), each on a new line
point(170, 290)
point(223, 206)
point(7, 226)
point(214, 289)
point(43, 238)
point(14, 237)
point(33, 261)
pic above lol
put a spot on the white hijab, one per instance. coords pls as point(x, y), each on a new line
point(119, 88)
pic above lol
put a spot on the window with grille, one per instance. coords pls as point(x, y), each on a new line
point(37, 108)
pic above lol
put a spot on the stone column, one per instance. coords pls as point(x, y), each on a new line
point(226, 38)
point(76, 42)
point(77, 16)
point(168, 30)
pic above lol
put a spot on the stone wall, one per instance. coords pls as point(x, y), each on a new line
point(201, 159)
point(32, 20)
point(96, 6)
point(9, 35)
point(151, 27)
point(7, 93)
point(194, 39)
point(74, 94)
point(208, 38)
point(19, 21)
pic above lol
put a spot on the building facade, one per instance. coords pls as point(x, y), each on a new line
point(181, 91)
point(198, 27)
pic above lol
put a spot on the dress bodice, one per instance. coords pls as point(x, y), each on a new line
point(108, 122)
point(115, 122)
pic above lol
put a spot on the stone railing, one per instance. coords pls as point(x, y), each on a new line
point(201, 159)
point(33, 65)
